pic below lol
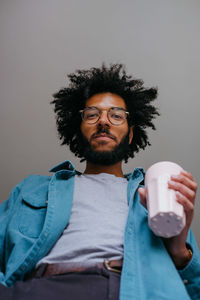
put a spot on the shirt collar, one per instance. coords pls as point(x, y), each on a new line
point(65, 165)
point(68, 166)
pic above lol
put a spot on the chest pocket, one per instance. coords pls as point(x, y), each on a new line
point(32, 215)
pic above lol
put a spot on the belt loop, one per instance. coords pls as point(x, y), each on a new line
point(113, 285)
point(39, 272)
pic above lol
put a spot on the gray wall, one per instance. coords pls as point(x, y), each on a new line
point(41, 41)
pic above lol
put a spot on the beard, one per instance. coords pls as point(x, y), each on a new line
point(105, 158)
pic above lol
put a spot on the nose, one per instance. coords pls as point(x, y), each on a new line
point(103, 120)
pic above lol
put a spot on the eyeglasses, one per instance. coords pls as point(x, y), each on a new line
point(116, 115)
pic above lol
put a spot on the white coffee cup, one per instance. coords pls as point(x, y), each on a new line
point(166, 217)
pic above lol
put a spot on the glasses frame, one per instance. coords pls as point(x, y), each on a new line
point(100, 112)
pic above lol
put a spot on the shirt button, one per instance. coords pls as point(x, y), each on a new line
point(185, 281)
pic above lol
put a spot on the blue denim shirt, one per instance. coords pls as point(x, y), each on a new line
point(37, 212)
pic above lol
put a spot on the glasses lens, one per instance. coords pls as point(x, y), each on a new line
point(117, 116)
point(90, 115)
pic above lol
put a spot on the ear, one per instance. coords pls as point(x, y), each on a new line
point(131, 134)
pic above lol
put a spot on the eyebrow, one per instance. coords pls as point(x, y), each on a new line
point(106, 109)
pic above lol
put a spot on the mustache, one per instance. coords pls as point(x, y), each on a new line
point(105, 131)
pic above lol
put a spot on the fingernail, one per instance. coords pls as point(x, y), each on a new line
point(171, 182)
point(175, 176)
point(184, 171)
point(178, 194)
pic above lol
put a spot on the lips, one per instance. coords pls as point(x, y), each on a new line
point(103, 136)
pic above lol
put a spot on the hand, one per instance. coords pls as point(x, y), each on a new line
point(186, 188)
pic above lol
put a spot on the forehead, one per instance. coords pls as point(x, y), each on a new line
point(105, 101)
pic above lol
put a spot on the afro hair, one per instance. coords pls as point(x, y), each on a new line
point(113, 79)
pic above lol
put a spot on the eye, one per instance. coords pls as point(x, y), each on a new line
point(116, 116)
point(92, 115)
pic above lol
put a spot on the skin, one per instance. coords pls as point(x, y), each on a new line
point(105, 142)
point(184, 184)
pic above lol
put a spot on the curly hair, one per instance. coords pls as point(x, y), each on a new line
point(86, 83)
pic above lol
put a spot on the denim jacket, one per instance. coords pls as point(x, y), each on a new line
point(37, 212)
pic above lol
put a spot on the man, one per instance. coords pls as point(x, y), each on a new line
point(86, 236)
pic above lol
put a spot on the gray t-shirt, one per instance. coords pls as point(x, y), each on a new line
point(96, 227)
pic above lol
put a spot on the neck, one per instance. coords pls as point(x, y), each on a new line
point(115, 169)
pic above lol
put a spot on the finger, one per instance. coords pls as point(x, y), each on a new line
point(187, 205)
point(188, 174)
point(186, 181)
point(183, 189)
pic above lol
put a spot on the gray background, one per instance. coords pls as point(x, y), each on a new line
point(41, 41)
